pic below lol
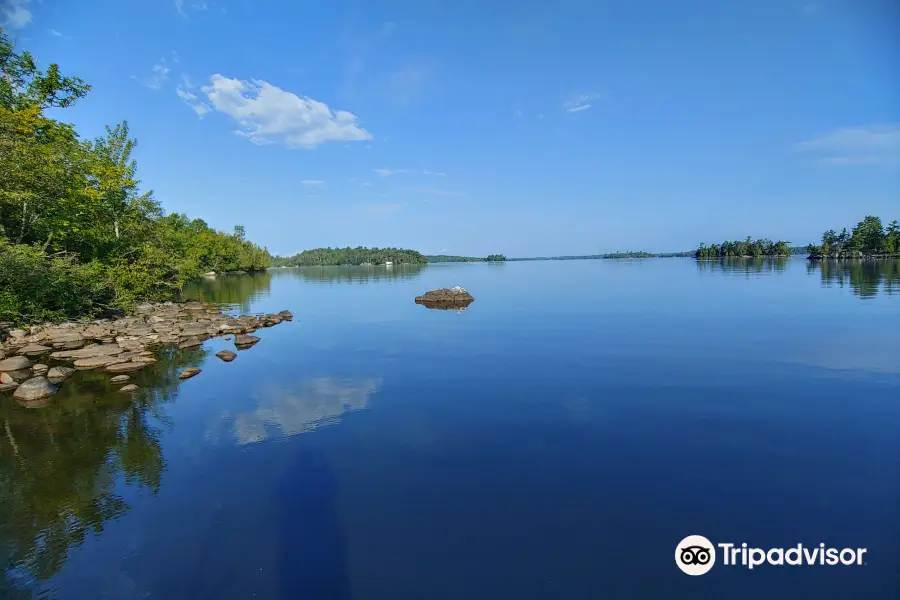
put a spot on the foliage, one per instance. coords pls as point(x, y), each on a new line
point(495, 258)
point(868, 238)
point(746, 248)
point(349, 256)
point(77, 235)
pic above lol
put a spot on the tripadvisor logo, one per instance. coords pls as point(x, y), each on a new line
point(696, 555)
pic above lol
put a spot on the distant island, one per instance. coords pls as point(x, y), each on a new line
point(439, 258)
point(744, 249)
point(319, 257)
point(869, 239)
point(612, 255)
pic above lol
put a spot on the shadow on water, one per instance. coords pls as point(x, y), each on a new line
point(351, 274)
point(60, 463)
point(313, 561)
point(866, 278)
point(235, 291)
point(745, 266)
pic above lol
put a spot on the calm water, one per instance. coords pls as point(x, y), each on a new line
point(555, 440)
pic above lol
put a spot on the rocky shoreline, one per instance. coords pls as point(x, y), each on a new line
point(446, 298)
point(118, 346)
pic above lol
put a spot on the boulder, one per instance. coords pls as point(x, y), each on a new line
point(34, 389)
point(61, 336)
point(21, 374)
point(286, 315)
point(129, 388)
point(89, 351)
point(226, 355)
point(120, 378)
point(5, 387)
point(188, 372)
point(39, 368)
point(34, 350)
point(6, 378)
point(57, 374)
point(456, 297)
point(125, 367)
point(92, 362)
point(245, 341)
point(14, 363)
point(191, 342)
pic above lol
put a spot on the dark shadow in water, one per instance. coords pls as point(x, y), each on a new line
point(351, 274)
point(59, 463)
point(866, 278)
point(235, 291)
point(312, 553)
point(746, 266)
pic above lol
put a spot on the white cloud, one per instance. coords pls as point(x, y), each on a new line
point(15, 13)
point(159, 74)
point(579, 102)
point(183, 8)
point(269, 115)
point(389, 172)
point(436, 173)
point(313, 182)
point(862, 145)
point(190, 98)
point(54, 32)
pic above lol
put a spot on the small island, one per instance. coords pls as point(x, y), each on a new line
point(744, 249)
point(330, 257)
point(869, 239)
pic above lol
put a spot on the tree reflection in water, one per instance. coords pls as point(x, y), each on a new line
point(60, 464)
point(866, 278)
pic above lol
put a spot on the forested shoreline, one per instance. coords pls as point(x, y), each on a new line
point(328, 257)
point(869, 238)
point(78, 236)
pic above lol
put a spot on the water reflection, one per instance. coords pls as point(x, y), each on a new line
point(235, 291)
point(351, 274)
point(311, 404)
point(745, 266)
point(59, 464)
point(866, 278)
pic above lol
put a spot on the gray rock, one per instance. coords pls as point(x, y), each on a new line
point(245, 341)
point(120, 378)
point(34, 350)
point(286, 315)
point(125, 367)
point(21, 374)
point(5, 387)
point(14, 363)
point(191, 342)
point(129, 388)
point(226, 355)
point(57, 374)
point(34, 389)
point(64, 336)
point(189, 372)
point(89, 351)
point(39, 368)
point(92, 362)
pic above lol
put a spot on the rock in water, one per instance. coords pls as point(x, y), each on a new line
point(15, 363)
point(34, 389)
point(456, 297)
point(129, 388)
point(34, 350)
point(245, 341)
point(4, 378)
point(125, 367)
point(286, 315)
point(120, 378)
point(39, 368)
point(226, 355)
point(188, 372)
point(57, 374)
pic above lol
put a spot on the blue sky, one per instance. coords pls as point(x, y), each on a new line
point(527, 128)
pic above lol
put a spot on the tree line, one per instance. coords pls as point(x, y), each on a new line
point(349, 256)
point(78, 236)
point(868, 238)
point(744, 248)
point(438, 258)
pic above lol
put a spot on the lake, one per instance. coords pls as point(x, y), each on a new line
point(558, 439)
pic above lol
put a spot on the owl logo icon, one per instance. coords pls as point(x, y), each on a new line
point(695, 555)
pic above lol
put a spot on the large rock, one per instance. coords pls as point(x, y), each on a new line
point(57, 374)
point(6, 378)
point(15, 363)
point(226, 355)
point(34, 350)
point(89, 351)
point(120, 378)
point(189, 372)
point(92, 362)
point(34, 389)
point(125, 367)
point(129, 388)
point(191, 342)
point(456, 297)
point(286, 315)
point(245, 341)
point(39, 368)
